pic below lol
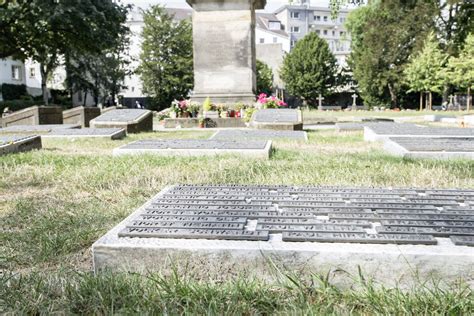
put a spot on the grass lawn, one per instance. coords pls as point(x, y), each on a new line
point(56, 202)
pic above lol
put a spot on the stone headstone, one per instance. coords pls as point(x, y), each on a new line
point(427, 147)
point(35, 115)
point(132, 120)
point(196, 147)
point(80, 115)
point(228, 229)
point(279, 119)
point(224, 50)
point(15, 143)
point(261, 134)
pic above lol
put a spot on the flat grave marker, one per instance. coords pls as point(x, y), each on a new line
point(132, 120)
point(196, 147)
point(16, 143)
point(227, 229)
point(260, 134)
point(37, 129)
point(107, 133)
point(382, 132)
point(427, 147)
point(279, 119)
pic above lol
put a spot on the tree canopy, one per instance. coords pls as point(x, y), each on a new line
point(310, 68)
point(166, 59)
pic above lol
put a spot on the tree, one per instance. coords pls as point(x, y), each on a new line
point(460, 70)
point(166, 59)
point(378, 63)
point(310, 68)
point(425, 72)
point(46, 30)
point(264, 78)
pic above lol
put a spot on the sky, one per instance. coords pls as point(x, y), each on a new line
point(270, 7)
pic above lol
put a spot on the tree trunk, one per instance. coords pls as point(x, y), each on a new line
point(44, 77)
point(85, 98)
point(468, 106)
point(431, 100)
point(393, 96)
point(421, 101)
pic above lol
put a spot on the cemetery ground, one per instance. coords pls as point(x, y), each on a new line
point(54, 203)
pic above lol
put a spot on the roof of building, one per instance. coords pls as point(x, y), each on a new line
point(263, 19)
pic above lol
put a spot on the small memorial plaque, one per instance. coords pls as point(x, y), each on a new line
point(463, 240)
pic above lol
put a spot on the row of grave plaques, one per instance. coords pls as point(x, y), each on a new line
point(397, 216)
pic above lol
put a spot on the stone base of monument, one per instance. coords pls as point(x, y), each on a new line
point(278, 119)
point(107, 133)
point(80, 115)
point(34, 115)
point(37, 129)
point(196, 147)
point(260, 134)
point(132, 120)
point(379, 132)
point(16, 143)
point(426, 147)
point(399, 237)
point(210, 122)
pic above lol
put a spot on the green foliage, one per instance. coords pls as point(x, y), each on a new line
point(264, 78)
point(16, 105)
point(425, 72)
point(310, 68)
point(207, 105)
point(460, 70)
point(13, 91)
point(378, 61)
point(166, 59)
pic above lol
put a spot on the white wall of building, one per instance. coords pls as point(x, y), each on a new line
point(265, 37)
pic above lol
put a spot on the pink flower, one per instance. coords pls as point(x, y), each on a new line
point(262, 96)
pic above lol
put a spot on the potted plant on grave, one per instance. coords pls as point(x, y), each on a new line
point(174, 109)
point(208, 110)
point(202, 122)
point(223, 111)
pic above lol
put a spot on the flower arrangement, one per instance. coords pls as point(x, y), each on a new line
point(270, 102)
point(184, 108)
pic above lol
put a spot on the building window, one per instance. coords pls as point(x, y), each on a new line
point(133, 89)
point(317, 18)
point(262, 40)
point(274, 25)
point(325, 18)
point(275, 40)
point(325, 32)
point(32, 72)
point(333, 33)
point(79, 97)
point(341, 34)
point(16, 72)
point(342, 20)
point(295, 15)
point(318, 32)
point(295, 29)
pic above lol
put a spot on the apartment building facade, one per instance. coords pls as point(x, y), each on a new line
point(302, 18)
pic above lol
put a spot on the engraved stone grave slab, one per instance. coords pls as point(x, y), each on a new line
point(359, 126)
point(108, 133)
point(37, 129)
point(35, 115)
point(382, 132)
point(427, 147)
point(17, 143)
point(230, 229)
point(196, 147)
point(261, 134)
point(80, 115)
point(279, 119)
point(132, 120)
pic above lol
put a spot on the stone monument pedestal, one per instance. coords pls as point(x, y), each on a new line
point(224, 50)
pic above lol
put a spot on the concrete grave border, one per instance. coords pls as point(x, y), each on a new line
point(272, 130)
point(118, 134)
point(371, 136)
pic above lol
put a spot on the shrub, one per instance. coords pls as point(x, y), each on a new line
point(13, 91)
